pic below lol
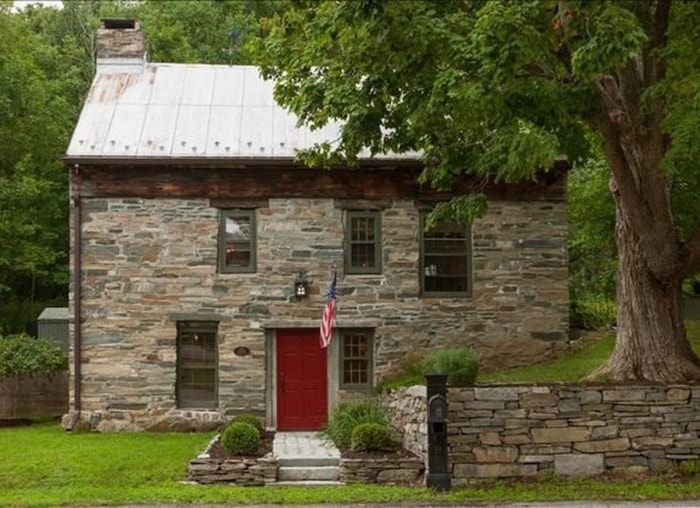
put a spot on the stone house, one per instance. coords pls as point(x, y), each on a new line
point(194, 233)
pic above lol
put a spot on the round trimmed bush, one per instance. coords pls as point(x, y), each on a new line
point(251, 420)
point(371, 437)
point(460, 365)
point(241, 438)
point(348, 415)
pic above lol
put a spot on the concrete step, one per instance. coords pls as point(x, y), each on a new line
point(304, 482)
point(306, 461)
point(319, 473)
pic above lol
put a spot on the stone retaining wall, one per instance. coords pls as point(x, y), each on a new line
point(407, 414)
point(386, 471)
point(244, 471)
point(573, 430)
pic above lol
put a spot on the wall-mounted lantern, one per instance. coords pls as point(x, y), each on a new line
point(301, 286)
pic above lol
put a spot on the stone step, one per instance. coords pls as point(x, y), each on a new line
point(296, 474)
point(306, 461)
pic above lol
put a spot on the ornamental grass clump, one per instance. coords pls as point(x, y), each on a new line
point(241, 438)
point(348, 415)
point(371, 437)
point(460, 365)
point(22, 354)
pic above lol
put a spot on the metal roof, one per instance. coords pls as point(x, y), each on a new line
point(181, 111)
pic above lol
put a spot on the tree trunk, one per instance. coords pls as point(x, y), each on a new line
point(651, 341)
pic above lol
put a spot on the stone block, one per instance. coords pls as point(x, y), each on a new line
point(603, 445)
point(678, 394)
point(651, 442)
point(590, 397)
point(577, 464)
point(607, 432)
point(490, 438)
point(499, 393)
point(624, 394)
point(493, 470)
point(495, 454)
point(560, 435)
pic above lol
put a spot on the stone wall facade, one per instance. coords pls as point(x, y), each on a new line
point(148, 263)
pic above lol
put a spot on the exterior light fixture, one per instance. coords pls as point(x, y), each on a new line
point(301, 286)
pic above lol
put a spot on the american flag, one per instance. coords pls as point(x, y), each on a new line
point(328, 313)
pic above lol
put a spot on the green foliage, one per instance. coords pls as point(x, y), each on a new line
point(348, 415)
point(241, 438)
point(460, 365)
point(250, 420)
point(22, 354)
point(370, 437)
point(593, 313)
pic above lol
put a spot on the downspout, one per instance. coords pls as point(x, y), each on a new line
point(77, 295)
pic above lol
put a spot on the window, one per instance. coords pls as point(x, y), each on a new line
point(356, 359)
point(445, 266)
point(363, 246)
point(197, 364)
point(237, 241)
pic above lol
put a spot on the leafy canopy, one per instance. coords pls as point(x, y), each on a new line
point(492, 88)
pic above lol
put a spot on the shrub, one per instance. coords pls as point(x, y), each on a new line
point(593, 313)
point(460, 365)
point(241, 438)
point(370, 437)
point(348, 415)
point(251, 420)
point(22, 354)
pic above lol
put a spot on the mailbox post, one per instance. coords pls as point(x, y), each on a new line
point(438, 474)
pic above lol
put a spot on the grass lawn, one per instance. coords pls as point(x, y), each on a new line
point(42, 465)
point(584, 357)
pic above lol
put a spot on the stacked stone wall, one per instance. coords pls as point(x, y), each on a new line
point(408, 410)
point(570, 430)
point(149, 262)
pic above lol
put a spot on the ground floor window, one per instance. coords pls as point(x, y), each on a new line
point(197, 364)
point(356, 359)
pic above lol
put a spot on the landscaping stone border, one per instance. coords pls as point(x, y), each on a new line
point(244, 471)
point(385, 471)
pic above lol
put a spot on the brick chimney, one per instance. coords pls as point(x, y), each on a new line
point(121, 46)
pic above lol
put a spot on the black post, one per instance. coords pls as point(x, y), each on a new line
point(438, 475)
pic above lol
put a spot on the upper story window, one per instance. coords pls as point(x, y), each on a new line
point(237, 241)
point(363, 242)
point(356, 358)
point(445, 261)
point(197, 371)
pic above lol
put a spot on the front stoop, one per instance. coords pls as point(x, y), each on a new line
point(304, 458)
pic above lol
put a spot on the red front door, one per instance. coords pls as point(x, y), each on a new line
point(301, 380)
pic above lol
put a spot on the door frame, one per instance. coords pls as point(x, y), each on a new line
point(332, 382)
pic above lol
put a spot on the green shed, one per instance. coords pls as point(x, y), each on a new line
point(52, 324)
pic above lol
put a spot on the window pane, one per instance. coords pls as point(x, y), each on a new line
point(363, 242)
point(446, 259)
point(356, 358)
point(237, 241)
point(362, 229)
point(362, 255)
point(196, 365)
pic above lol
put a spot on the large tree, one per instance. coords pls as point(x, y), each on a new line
point(500, 89)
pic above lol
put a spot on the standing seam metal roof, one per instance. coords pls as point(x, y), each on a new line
point(191, 111)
